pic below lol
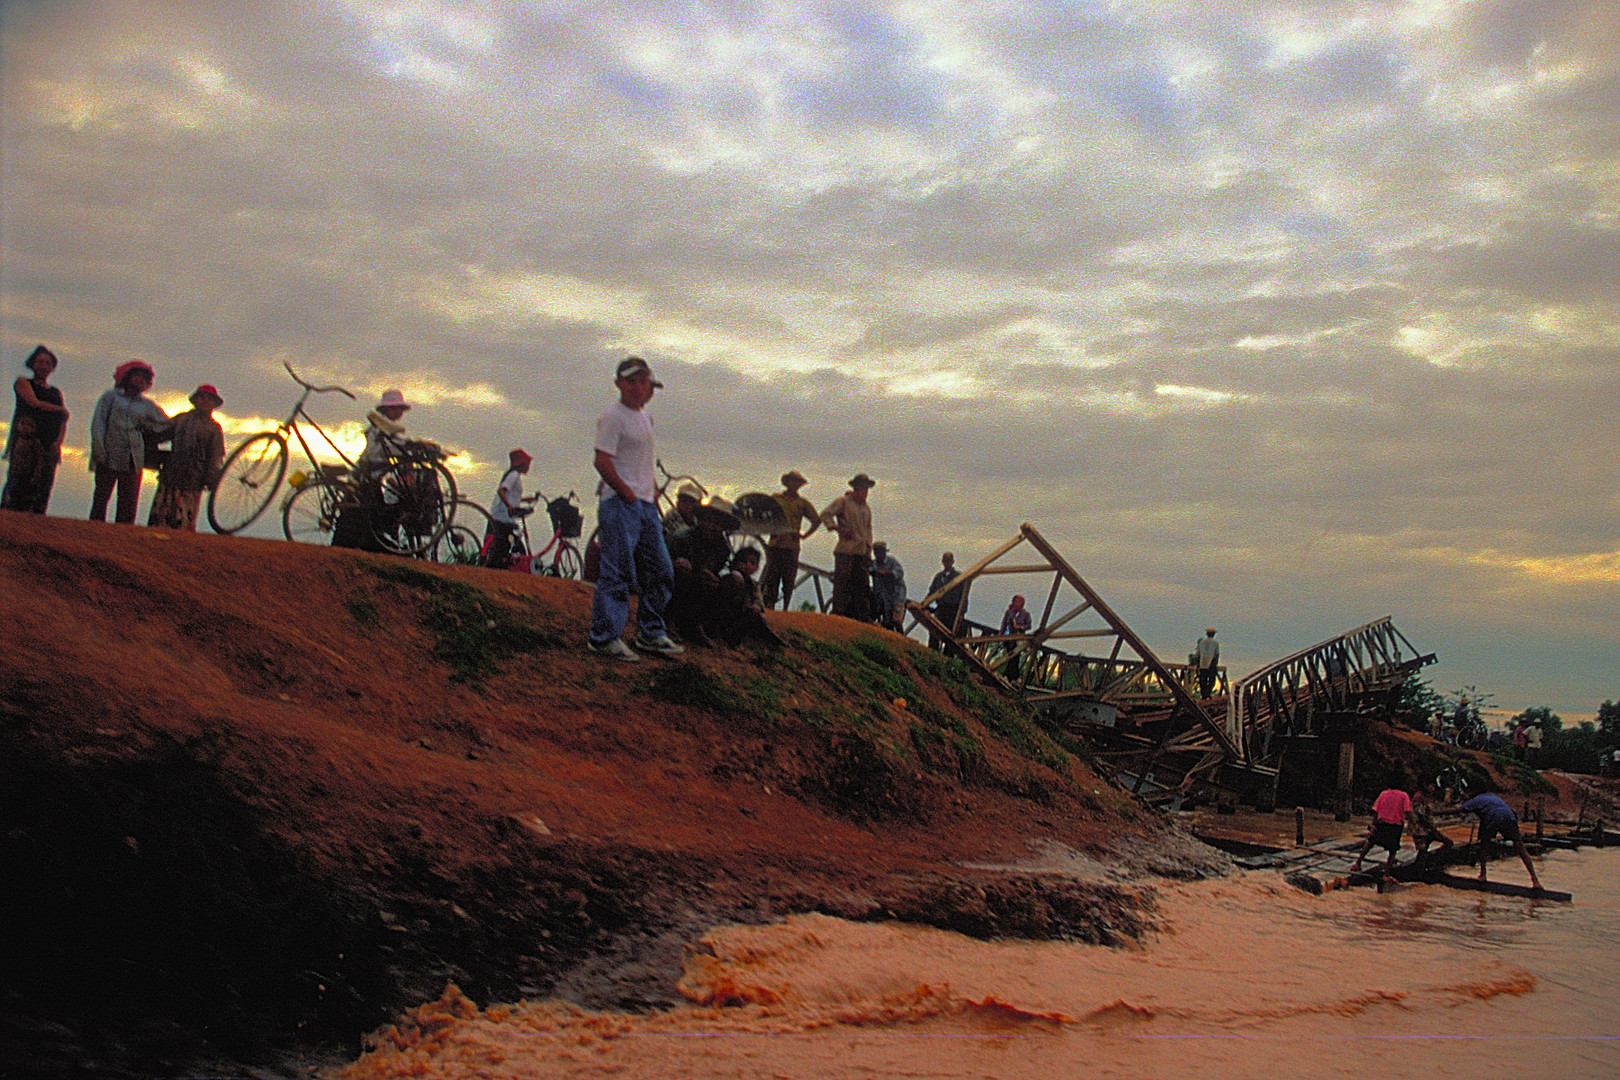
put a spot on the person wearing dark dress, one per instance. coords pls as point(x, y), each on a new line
point(34, 440)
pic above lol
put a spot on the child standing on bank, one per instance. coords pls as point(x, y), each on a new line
point(506, 509)
point(193, 465)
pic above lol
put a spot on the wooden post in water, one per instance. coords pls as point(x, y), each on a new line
point(1597, 837)
point(1347, 774)
point(1299, 826)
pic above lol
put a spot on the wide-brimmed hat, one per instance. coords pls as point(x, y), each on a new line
point(393, 397)
point(862, 480)
point(207, 390)
point(719, 512)
point(635, 365)
point(121, 372)
point(793, 475)
point(519, 455)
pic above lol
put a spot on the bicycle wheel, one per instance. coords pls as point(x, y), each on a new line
point(248, 482)
point(310, 513)
point(566, 562)
point(418, 503)
point(463, 542)
point(459, 546)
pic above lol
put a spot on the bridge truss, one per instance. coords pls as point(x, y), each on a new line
point(1141, 713)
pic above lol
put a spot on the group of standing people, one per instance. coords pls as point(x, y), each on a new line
point(681, 566)
point(125, 429)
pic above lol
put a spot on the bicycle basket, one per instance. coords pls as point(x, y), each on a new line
point(566, 518)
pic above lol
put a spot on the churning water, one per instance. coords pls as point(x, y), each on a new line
point(1249, 977)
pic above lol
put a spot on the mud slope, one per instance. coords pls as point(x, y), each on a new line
point(260, 795)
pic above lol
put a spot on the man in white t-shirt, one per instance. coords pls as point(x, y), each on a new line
point(628, 526)
point(506, 509)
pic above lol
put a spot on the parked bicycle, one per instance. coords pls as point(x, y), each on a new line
point(408, 504)
point(253, 472)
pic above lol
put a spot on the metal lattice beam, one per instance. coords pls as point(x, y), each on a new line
point(1292, 696)
point(1029, 664)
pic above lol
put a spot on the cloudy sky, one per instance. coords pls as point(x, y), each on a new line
point(1278, 318)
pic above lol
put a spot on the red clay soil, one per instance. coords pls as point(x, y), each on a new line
point(260, 796)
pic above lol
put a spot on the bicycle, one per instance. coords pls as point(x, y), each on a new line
point(253, 472)
point(462, 544)
point(408, 503)
point(567, 523)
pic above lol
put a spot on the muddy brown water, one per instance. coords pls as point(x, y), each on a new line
point(1249, 977)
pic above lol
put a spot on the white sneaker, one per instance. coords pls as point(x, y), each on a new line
point(662, 645)
point(615, 649)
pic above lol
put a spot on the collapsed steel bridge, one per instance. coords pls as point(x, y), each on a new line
point(1159, 739)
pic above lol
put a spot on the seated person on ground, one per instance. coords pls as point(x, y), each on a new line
point(700, 555)
point(740, 607)
point(682, 517)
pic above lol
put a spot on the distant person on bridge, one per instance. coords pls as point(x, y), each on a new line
point(782, 549)
point(949, 606)
point(1208, 652)
point(1390, 811)
point(888, 588)
point(1496, 818)
point(851, 519)
point(1015, 620)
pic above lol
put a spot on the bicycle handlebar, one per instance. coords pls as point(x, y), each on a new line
point(313, 387)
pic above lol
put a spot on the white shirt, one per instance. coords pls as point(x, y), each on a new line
point(1209, 651)
point(626, 435)
point(511, 486)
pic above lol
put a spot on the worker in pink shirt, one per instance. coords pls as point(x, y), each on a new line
point(1390, 811)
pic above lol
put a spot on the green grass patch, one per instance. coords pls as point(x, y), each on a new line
point(1528, 780)
point(684, 683)
point(472, 635)
point(363, 609)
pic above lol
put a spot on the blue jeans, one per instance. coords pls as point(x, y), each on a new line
point(633, 554)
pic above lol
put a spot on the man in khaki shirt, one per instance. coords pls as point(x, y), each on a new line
point(850, 517)
point(782, 549)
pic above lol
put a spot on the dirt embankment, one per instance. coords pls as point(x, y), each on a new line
point(260, 795)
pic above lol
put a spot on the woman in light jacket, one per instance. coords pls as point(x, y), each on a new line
point(118, 429)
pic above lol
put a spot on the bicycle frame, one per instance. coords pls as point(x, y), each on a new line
point(525, 560)
point(292, 426)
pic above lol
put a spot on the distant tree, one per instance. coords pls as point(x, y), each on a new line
point(1608, 719)
point(1540, 715)
point(1414, 702)
point(1578, 749)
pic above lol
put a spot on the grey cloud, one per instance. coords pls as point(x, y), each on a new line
point(1552, 261)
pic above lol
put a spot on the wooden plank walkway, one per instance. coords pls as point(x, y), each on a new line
point(1317, 868)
